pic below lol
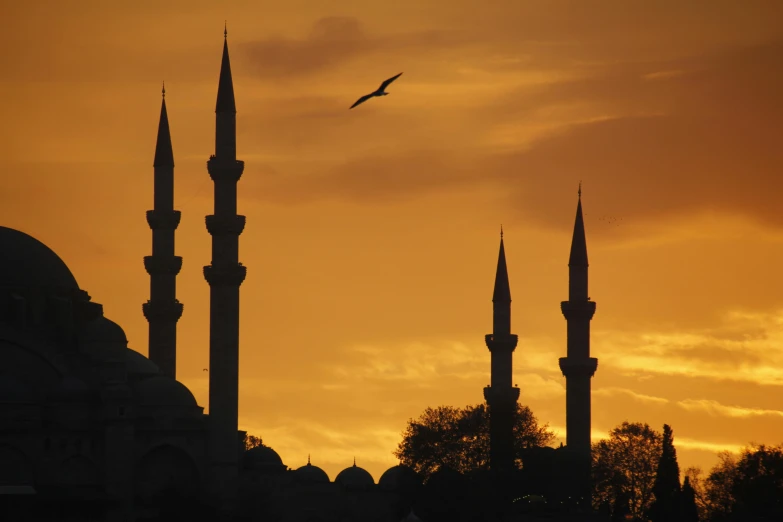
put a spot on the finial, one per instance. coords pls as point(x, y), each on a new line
point(308, 459)
point(354, 462)
point(580, 189)
point(501, 231)
point(163, 91)
point(225, 28)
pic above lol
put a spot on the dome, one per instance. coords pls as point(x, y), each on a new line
point(263, 457)
point(399, 478)
point(354, 478)
point(163, 391)
point(310, 473)
point(15, 391)
point(71, 388)
point(138, 365)
point(27, 263)
point(104, 331)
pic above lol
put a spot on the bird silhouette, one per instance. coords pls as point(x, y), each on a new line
point(206, 370)
point(380, 92)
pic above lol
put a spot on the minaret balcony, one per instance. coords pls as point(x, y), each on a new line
point(500, 397)
point(225, 275)
point(169, 310)
point(225, 169)
point(578, 367)
point(578, 309)
point(225, 225)
point(159, 265)
point(501, 343)
point(163, 219)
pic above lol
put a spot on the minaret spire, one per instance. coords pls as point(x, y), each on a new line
point(225, 275)
point(163, 310)
point(578, 367)
point(500, 395)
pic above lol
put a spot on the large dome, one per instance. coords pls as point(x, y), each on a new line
point(399, 478)
point(27, 263)
point(263, 458)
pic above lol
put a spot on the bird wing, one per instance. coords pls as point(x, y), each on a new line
point(387, 82)
point(363, 99)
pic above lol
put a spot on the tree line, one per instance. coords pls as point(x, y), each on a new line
point(635, 474)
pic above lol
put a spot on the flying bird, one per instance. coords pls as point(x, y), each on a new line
point(380, 92)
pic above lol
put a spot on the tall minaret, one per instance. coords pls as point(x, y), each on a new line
point(163, 310)
point(501, 396)
point(578, 367)
point(224, 276)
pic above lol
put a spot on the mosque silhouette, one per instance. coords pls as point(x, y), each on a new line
point(93, 430)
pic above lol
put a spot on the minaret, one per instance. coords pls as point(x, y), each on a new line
point(501, 396)
point(163, 310)
point(224, 276)
point(578, 367)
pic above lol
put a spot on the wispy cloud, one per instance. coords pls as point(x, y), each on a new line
point(716, 408)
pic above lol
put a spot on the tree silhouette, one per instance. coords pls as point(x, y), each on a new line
point(666, 489)
point(757, 487)
point(624, 467)
point(251, 441)
point(688, 510)
point(459, 438)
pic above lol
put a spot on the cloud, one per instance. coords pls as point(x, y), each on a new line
point(332, 41)
point(716, 408)
point(722, 353)
point(611, 391)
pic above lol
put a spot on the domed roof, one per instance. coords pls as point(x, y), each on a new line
point(15, 391)
point(71, 388)
point(105, 331)
point(138, 365)
point(398, 478)
point(310, 473)
point(163, 391)
point(263, 457)
point(26, 262)
point(354, 477)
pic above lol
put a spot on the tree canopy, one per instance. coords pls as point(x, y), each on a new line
point(459, 438)
point(624, 468)
point(666, 489)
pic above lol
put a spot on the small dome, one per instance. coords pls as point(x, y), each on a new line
point(354, 478)
point(25, 262)
point(311, 474)
point(399, 478)
point(138, 365)
point(15, 391)
point(103, 331)
point(163, 391)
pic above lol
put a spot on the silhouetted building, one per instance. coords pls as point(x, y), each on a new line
point(500, 395)
point(578, 367)
point(224, 275)
point(163, 310)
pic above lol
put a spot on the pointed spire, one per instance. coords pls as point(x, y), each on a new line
point(225, 96)
point(502, 293)
point(308, 459)
point(354, 462)
point(578, 243)
point(164, 155)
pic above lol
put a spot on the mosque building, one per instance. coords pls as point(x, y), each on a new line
point(90, 425)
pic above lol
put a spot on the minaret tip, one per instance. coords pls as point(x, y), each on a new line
point(501, 231)
point(163, 90)
point(225, 28)
point(579, 192)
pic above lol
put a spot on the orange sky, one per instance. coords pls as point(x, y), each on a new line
point(372, 234)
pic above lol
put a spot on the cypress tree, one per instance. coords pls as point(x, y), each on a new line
point(666, 489)
point(688, 510)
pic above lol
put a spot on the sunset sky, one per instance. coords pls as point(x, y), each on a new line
point(372, 234)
